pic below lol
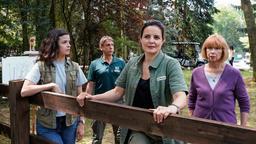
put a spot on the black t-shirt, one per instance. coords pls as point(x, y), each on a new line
point(143, 97)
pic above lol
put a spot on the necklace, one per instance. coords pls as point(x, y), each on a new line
point(214, 78)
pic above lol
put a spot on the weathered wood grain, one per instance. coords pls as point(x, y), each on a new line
point(189, 129)
point(19, 114)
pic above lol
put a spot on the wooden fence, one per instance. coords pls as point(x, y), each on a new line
point(189, 129)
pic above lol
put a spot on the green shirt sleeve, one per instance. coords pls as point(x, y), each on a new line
point(176, 78)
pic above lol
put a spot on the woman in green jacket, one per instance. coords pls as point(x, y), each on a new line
point(152, 81)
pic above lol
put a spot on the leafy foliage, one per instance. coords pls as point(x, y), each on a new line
point(87, 21)
point(185, 20)
point(228, 23)
point(251, 30)
point(9, 38)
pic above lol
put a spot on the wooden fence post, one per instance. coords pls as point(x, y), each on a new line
point(19, 114)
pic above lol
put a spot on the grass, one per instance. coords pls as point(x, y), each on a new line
point(108, 137)
point(251, 88)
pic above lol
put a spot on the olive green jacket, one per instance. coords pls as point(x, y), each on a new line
point(166, 78)
point(45, 116)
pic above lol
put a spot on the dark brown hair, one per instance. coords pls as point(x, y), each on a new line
point(153, 23)
point(49, 48)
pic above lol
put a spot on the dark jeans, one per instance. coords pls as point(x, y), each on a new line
point(142, 138)
point(136, 137)
point(61, 135)
point(98, 128)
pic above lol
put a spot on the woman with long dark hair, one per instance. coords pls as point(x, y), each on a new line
point(55, 72)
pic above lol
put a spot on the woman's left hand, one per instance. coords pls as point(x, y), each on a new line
point(80, 131)
point(162, 112)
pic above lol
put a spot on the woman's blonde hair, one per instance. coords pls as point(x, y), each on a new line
point(215, 41)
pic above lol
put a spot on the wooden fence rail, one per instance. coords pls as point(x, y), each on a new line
point(189, 129)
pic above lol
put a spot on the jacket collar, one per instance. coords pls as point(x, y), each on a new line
point(114, 58)
point(67, 61)
point(156, 62)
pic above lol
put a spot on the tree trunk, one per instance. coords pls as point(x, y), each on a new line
point(52, 14)
point(23, 4)
point(67, 20)
point(251, 30)
point(42, 14)
point(88, 31)
point(87, 51)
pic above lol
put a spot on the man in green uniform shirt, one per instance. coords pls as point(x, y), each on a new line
point(103, 73)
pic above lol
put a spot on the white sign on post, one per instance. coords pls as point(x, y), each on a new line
point(16, 67)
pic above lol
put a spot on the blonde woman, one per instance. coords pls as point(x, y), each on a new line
point(216, 86)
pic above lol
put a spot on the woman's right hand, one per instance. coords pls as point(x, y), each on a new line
point(80, 98)
point(162, 112)
point(190, 112)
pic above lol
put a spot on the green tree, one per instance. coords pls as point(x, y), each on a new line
point(10, 28)
point(229, 22)
point(251, 30)
point(195, 18)
point(116, 18)
point(186, 20)
point(87, 21)
point(19, 20)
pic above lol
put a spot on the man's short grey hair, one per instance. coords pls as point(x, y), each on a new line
point(103, 39)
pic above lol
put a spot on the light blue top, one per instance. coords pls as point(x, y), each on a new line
point(34, 76)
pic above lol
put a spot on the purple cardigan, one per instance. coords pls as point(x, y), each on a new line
point(219, 103)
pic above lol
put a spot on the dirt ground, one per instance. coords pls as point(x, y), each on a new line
point(108, 134)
